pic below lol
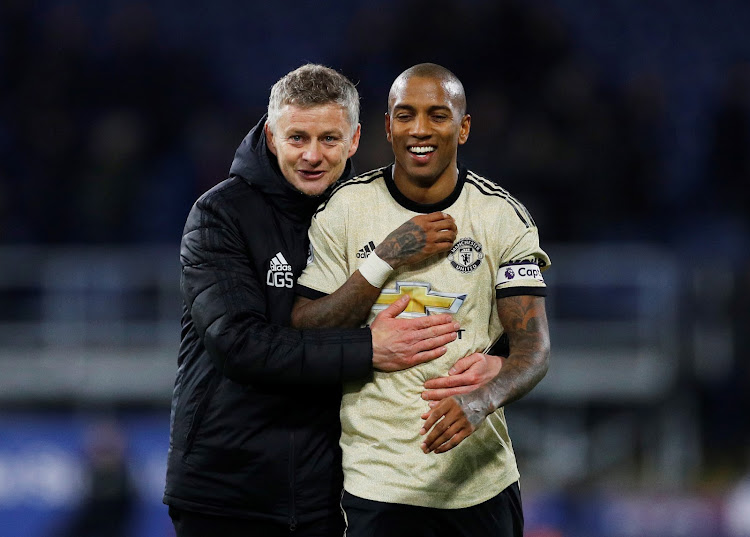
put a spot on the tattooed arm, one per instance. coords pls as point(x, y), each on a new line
point(525, 321)
point(396, 343)
point(414, 241)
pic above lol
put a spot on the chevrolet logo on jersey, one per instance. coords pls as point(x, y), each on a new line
point(424, 301)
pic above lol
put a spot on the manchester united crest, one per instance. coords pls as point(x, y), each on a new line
point(466, 255)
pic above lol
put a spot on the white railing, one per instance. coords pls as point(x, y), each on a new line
point(88, 323)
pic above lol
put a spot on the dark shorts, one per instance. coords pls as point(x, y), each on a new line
point(192, 524)
point(500, 516)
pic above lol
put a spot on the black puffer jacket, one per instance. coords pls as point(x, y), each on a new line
point(255, 423)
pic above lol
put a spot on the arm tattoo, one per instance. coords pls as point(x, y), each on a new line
point(402, 243)
point(525, 322)
point(348, 306)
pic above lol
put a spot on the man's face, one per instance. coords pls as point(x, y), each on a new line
point(312, 145)
point(425, 127)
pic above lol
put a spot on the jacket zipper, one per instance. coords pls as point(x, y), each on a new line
point(292, 514)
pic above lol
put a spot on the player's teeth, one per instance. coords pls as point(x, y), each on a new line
point(422, 150)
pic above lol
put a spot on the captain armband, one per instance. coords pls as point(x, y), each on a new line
point(523, 270)
point(375, 270)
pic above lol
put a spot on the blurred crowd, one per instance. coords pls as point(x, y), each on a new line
point(109, 131)
point(113, 119)
point(98, 126)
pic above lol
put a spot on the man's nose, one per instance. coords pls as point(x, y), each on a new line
point(420, 126)
point(312, 153)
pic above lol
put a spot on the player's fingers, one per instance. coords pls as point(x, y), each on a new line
point(440, 230)
point(431, 417)
point(454, 441)
point(448, 236)
point(439, 224)
point(433, 229)
point(435, 216)
point(442, 418)
point(427, 221)
point(436, 432)
point(438, 437)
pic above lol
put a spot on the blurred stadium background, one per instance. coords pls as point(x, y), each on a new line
point(624, 126)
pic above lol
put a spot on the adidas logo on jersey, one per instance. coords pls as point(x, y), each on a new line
point(280, 272)
point(366, 250)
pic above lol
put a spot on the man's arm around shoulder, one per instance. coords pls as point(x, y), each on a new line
point(225, 299)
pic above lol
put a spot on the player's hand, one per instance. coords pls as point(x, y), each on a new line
point(451, 422)
point(467, 374)
point(402, 343)
point(417, 239)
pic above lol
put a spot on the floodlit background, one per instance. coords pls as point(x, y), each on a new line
point(623, 125)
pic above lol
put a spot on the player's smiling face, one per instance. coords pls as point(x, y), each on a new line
point(312, 145)
point(425, 126)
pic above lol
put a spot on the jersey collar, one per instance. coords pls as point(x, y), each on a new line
point(424, 208)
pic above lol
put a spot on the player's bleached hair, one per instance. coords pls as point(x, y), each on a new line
point(450, 82)
point(314, 85)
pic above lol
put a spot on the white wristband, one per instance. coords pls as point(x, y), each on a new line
point(375, 270)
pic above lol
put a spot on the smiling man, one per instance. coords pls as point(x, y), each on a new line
point(448, 468)
point(311, 163)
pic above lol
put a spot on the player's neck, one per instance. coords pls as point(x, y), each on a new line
point(426, 190)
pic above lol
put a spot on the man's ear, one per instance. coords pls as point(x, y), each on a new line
point(355, 141)
point(463, 133)
point(387, 126)
point(269, 138)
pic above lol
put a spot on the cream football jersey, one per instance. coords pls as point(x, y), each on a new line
point(496, 254)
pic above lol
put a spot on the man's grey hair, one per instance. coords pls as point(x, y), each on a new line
point(314, 85)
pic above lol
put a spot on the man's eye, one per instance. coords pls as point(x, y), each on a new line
point(329, 139)
point(295, 138)
point(440, 117)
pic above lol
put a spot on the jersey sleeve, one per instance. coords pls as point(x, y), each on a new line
point(520, 270)
point(327, 268)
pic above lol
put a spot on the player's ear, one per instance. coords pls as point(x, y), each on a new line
point(387, 126)
point(463, 132)
point(355, 141)
point(269, 138)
